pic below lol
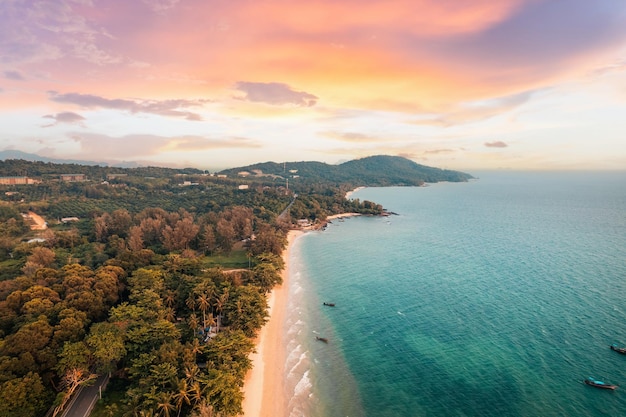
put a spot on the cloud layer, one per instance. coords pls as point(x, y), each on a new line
point(170, 108)
point(439, 80)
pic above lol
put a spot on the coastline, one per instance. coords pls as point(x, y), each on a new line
point(264, 387)
point(349, 193)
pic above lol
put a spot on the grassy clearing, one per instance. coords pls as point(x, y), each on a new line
point(238, 258)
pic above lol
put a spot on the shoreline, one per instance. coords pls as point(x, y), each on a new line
point(264, 386)
point(349, 193)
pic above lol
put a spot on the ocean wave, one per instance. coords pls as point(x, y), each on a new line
point(302, 361)
point(303, 387)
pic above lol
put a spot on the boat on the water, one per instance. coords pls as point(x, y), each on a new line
point(599, 384)
point(321, 339)
point(329, 304)
point(618, 349)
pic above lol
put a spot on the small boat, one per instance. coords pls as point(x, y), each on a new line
point(321, 339)
point(329, 304)
point(618, 349)
point(599, 384)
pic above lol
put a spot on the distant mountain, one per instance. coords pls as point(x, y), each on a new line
point(14, 154)
point(380, 170)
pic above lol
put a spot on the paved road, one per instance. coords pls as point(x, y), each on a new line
point(84, 400)
point(284, 213)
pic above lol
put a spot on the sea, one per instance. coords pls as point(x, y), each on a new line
point(494, 297)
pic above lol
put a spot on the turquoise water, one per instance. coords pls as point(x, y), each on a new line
point(489, 298)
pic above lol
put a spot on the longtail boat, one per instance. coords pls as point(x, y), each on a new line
point(599, 384)
point(618, 349)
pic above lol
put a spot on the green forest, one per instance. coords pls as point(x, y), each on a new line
point(157, 277)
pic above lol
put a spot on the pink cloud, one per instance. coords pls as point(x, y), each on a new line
point(496, 144)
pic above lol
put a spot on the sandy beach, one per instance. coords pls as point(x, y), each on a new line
point(341, 216)
point(264, 389)
point(349, 193)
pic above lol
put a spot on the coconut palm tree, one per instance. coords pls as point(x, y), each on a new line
point(181, 397)
point(204, 302)
point(190, 302)
point(170, 314)
point(169, 298)
point(196, 392)
point(219, 304)
point(193, 323)
point(165, 404)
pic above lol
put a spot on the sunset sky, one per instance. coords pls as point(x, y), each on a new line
point(213, 84)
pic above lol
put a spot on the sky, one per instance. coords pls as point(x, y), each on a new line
point(213, 84)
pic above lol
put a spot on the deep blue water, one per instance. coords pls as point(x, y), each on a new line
point(495, 297)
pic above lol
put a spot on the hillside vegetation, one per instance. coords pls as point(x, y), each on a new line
point(372, 171)
point(157, 276)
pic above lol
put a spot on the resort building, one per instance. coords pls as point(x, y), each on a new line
point(73, 177)
point(114, 176)
point(17, 181)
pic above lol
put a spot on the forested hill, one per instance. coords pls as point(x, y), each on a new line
point(378, 170)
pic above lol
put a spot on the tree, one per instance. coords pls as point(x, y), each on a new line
point(193, 322)
point(266, 276)
point(225, 235)
point(33, 339)
point(106, 341)
point(152, 228)
point(268, 240)
point(23, 397)
point(72, 379)
point(101, 227)
point(181, 396)
point(223, 391)
point(135, 239)
point(246, 310)
point(165, 404)
point(207, 239)
point(42, 256)
point(179, 236)
point(204, 304)
point(75, 355)
point(71, 327)
point(119, 223)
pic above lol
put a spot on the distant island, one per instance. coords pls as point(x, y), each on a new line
point(156, 276)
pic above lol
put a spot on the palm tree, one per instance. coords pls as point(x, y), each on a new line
point(170, 314)
point(195, 348)
point(165, 404)
point(191, 372)
point(204, 302)
point(219, 305)
point(182, 395)
point(169, 298)
point(193, 323)
point(203, 409)
point(196, 392)
point(191, 302)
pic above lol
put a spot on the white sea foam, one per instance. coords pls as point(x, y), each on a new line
point(301, 395)
point(302, 360)
point(304, 386)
